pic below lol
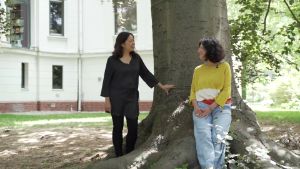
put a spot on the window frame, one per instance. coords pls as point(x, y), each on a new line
point(24, 75)
point(115, 9)
point(20, 31)
point(63, 18)
point(62, 79)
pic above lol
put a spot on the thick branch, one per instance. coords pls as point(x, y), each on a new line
point(296, 19)
point(265, 20)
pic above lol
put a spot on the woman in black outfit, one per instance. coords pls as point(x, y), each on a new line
point(120, 89)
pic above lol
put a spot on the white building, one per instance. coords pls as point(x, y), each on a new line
point(55, 56)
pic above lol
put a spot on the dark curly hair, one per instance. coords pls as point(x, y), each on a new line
point(118, 49)
point(214, 50)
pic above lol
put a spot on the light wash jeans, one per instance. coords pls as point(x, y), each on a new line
point(210, 132)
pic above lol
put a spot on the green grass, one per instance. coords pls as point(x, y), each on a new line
point(16, 120)
point(279, 116)
point(143, 116)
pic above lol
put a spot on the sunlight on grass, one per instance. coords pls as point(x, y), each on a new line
point(59, 120)
point(104, 120)
point(279, 116)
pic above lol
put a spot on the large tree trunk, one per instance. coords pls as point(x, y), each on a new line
point(166, 137)
point(244, 81)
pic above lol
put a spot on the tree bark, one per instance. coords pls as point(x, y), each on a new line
point(166, 138)
point(244, 81)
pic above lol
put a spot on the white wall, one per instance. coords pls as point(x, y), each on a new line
point(144, 25)
point(99, 38)
point(97, 44)
point(58, 44)
point(10, 78)
point(98, 30)
point(98, 26)
point(33, 23)
point(146, 93)
point(92, 77)
point(93, 73)
point(69, 91)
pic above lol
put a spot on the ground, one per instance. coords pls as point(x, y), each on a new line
point(286, 134)
point(40, 145)
point(52, 147)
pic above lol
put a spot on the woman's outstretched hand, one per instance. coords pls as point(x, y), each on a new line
point(166, 87)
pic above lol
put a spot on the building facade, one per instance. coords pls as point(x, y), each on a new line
point(55, 54)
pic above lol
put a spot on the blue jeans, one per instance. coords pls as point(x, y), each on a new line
point(210, 132)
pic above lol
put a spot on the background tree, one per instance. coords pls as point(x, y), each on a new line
point(166, 136)
point(4, 18)
point(265, 35)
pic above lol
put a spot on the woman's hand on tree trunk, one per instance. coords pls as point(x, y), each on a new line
point(166, 87)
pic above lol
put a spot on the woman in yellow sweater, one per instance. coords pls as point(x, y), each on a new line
point(210, 97)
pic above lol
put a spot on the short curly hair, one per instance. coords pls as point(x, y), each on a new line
point(214, 50)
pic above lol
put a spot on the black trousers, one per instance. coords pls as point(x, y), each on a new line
point(132, 124)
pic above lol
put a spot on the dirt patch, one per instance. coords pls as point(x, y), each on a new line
point(286, 134)
point(74, 147)
point(32, 148)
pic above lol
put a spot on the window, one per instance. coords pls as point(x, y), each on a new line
point(56, 17)
point(19, 14)
point(57, 77)
point(24, 75)
point(125, 15)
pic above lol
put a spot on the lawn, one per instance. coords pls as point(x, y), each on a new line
point(104, 119)
point(279, 116)
point(66, 141)
point(59, 120)
point(71, 140)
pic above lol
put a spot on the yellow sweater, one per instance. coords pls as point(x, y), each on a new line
point(211, 83)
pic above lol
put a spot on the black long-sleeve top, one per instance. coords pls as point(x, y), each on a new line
point(121, 80)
